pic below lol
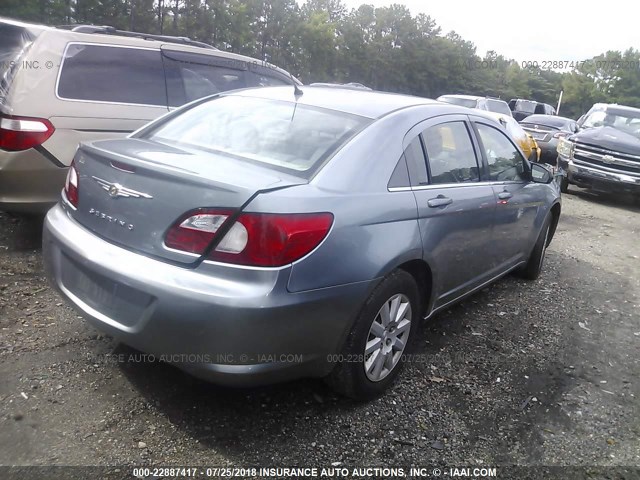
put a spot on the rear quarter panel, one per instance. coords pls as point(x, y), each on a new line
point(374, 230)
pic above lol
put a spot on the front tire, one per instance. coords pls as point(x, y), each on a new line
point(372, 355)
point(564, 185)
point(531, 271)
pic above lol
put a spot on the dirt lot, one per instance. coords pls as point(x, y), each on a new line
point(543, 373)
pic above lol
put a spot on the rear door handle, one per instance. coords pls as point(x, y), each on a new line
point(439, 201)
point(505, 195)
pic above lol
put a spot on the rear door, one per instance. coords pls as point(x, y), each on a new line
point(455, 209)
point(518, 200)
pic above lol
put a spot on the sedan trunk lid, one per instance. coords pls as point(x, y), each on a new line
point(132, 190)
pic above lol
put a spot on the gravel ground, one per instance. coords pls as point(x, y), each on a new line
point(542, 373)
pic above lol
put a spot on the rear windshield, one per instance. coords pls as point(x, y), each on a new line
point(527, 106)
point(463, 102)
point(285, 135)
point(498, 106)
point(14, 41)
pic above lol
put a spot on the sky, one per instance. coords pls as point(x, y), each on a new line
point(543, 30)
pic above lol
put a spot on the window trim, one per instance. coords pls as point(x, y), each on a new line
point(108, 45)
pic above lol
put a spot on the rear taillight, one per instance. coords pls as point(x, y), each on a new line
point(254, 239)
point(22, 133)
point(71, 185)
point(194, 232)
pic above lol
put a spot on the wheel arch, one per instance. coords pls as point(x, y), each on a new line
point(555, 218)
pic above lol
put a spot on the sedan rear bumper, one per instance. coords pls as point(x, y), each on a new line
point(234, 326)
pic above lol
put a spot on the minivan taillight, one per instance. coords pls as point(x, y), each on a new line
point(71, 185)
point(254, 239)
point(22, 133)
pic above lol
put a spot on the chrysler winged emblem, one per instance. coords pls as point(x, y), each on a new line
point(116, 190)
point(609, 159)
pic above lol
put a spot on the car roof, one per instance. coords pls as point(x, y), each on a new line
point(133, 41)
point(495, 116)
point(365, 103)
point(615, 106)
point(32, 27)
point(466, 97)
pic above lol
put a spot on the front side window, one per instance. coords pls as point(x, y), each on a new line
point(450, 154)
point(112, 74)
point(506, 164)
point(285, 135)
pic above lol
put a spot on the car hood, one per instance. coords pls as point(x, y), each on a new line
point(609, 138)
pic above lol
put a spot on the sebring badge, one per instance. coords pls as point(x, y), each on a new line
point(116, 190)
point(111, 219)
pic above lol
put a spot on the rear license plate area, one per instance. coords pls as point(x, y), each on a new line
point(118, 301)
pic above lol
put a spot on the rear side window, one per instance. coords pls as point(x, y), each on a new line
point(284, 135)
point(112, 74)
point(416, 163)
point(450, 153)
point(14, 41)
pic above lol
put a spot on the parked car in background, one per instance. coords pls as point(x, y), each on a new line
point(605, 154)
point(547, 130)
point(481, 103)
point(522, 108)
point(268, 234)
point(524, 139)
point(61, 86)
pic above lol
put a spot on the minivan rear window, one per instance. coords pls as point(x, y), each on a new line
point(498, 106)
point(14, 41)
point(107, 73)
point(284, 135)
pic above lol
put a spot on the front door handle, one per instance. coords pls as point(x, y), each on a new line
point(505, 195)
point(439, 201)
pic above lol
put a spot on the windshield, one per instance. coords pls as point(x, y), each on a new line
point(463, 102)
point(13, 43)
point(498, 106)
point(625, 121)
point(286, 135)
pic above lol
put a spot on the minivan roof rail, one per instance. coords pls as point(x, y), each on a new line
point(109, 30)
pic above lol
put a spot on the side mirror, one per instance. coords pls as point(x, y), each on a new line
point(540, 174)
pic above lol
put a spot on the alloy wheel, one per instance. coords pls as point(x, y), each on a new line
point(387, 337)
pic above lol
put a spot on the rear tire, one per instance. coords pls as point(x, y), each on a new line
point(531, 271)
point(372, 356)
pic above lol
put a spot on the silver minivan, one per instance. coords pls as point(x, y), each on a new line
point(61, 86)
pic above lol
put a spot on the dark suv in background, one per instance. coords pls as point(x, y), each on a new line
point(522, 108)
point(605, 154)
